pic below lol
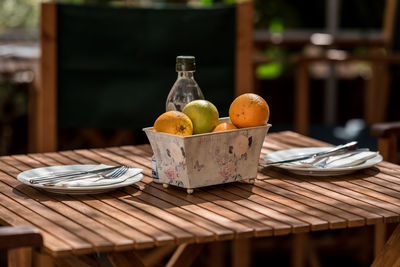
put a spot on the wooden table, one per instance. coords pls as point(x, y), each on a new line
point(130, 219)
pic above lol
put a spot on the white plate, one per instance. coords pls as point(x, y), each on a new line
point(25, 176)
point(298, 152)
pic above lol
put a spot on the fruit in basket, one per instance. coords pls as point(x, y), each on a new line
point(224, 126)
point(249, 110)
point(174, 122)
point(204, 115)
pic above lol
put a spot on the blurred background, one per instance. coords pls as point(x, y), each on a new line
point(283, 29)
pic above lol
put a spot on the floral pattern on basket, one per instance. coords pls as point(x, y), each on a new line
point(173, 164)
point(228, 162)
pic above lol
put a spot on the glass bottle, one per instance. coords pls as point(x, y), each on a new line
point(185, 89)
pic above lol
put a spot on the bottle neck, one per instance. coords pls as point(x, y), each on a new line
point(186, 74)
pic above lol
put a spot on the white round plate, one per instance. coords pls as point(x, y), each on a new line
point(25, 176)
point(298, 152)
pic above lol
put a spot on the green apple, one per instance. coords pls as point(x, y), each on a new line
point(203, 114)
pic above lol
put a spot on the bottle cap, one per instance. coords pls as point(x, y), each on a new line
point(185, 63)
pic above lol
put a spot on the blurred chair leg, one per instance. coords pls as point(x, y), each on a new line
point(383, 94)
point(377, 94)
point(301, 98)
point(388, 148)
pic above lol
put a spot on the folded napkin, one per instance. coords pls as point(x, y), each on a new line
point(96, 180)
point(350, 160)
point(339, 161)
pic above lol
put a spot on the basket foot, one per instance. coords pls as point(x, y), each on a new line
point(252, 181)
point(165, 185)
point(189, 190)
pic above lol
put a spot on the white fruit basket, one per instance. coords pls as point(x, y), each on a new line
point(206, 159)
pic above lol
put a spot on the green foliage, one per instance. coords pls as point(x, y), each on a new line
point(275, 68)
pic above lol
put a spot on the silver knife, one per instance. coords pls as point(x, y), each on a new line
point(349, 146)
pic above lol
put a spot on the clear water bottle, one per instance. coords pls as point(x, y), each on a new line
point(185, 89)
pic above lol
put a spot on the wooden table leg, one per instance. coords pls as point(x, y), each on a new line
point(20, 257)
point(185, 255)
point(157, 255)
point(379, 237)
point(217, 254)
point(390, 254)
point(299, 248)
point(125, 258)
point(241, 252)
point(41, 259)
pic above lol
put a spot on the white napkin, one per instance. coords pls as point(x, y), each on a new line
point(350, 160)
point(98, 181)
point(339, 161)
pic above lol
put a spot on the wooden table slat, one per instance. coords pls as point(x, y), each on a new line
point(343, 198)
point(274, 194)
point(316, 200)
point(275, 210)
point(382, 178)
point(275, 219)
point(370, 213)
point(356, 192)
point(247, 218)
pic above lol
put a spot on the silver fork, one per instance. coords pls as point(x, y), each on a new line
point(322, 163)
point(114, 174)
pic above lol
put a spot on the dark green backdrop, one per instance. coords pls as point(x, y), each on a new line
point(116, 65)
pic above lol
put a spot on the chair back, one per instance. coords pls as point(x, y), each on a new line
point(17, 242)
point(111, 67)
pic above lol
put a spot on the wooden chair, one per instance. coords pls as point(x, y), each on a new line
point(111, 67)
point(18, 241)
point(377, 90)
point(388, 135)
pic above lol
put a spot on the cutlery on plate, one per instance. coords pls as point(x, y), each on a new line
point(71, 174)
point(333, 151)
point(116, 173)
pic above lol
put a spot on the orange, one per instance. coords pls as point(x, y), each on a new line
point(174, 122)
point(249, 110)
point(224, 126)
